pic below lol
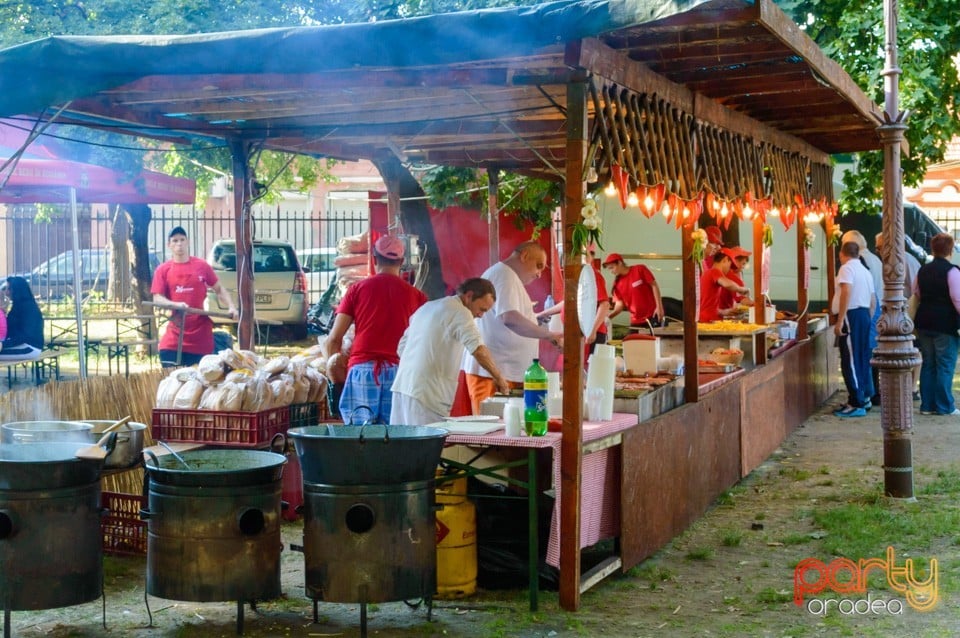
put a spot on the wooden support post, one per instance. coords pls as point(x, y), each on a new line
point(690, 273)
point(244, 234)
point(571, 453)
point(802, 294)
point(758, 298)
point(493, 217)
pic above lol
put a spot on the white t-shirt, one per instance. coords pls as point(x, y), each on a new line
point(431, 349)
point(861, 286)
point(511, 352)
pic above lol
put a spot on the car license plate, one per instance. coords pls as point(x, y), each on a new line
point(262, 299)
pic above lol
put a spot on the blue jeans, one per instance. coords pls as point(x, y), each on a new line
point(939, 352)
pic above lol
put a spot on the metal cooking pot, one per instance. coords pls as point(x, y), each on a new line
point(367, 454)
point(129, 447)
point(43, 431)
point(50, 466)
point(216, 468)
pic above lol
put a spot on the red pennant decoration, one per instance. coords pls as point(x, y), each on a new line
point(671, 207)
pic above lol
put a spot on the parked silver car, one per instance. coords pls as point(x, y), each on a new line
point(280, 286)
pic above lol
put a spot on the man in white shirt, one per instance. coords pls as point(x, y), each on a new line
point(432, 348)
point(875, 266)
point(853, 304)
point(510, 330)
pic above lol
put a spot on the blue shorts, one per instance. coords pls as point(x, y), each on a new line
point(363, 390)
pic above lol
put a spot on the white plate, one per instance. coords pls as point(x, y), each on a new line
point(587, 299)
point(474, 428)
point(480, 418)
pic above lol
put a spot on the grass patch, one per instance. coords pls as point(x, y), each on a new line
point(796, 539)
point(731, 538)
point(700, 553)
point(725, 498)
point(769, 596)
point(946, 482)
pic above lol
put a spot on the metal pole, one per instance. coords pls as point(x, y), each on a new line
point(895, 354)
point(77, 290)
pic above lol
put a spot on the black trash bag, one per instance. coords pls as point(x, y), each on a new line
point(502, 541)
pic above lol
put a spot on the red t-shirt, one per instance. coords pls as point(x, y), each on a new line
point(602, 297)
point(381, 307)
point(710, 292)
point(729, 299)
point(186, 282)
point(635, 290)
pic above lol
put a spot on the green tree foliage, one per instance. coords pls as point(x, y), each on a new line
point(852, 33)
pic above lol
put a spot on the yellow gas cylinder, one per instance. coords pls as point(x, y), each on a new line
point(456, 541)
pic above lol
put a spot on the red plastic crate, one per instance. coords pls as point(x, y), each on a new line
point(223, 429)
point(124, 534)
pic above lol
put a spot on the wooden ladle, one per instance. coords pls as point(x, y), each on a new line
point(97, 452)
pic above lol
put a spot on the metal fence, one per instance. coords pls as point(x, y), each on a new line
point(33, 248)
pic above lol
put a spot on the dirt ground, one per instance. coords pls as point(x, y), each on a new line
point(699, 585)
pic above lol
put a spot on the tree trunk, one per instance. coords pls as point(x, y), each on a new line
point(415, 219)
point(118, 283)
point(139, 216)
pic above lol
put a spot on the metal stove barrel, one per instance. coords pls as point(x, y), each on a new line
point(51, 550)
point(369, 519)
point(214, 529)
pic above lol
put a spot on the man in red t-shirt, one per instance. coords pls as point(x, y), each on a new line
point(713, 282)
point(183, 281)
point(379, 307)
point(634, 289)
point(729, 299)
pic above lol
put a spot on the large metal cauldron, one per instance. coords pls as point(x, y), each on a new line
point(214, 528)
point(369, 522)
point(50, 545)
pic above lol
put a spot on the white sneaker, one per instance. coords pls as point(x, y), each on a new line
point(954, 413)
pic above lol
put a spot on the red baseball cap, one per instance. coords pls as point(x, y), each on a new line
point(612, 258)
point(736, 251)
point(714, 235)
point(390, 247)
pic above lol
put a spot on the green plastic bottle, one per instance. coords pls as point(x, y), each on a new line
point(535, 400)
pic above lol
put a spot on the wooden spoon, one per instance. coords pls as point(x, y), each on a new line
point(97, 452)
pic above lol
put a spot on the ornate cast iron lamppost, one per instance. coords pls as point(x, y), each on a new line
point(895, 354)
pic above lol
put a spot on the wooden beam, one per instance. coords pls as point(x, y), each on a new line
point(571, 452)
point(789, 32)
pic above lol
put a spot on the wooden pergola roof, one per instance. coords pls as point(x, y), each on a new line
point(471, 89)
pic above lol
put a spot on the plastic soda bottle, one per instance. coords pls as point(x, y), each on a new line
point(535, 399)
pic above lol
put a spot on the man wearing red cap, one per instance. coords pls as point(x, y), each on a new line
point(634, 289)
point(713, 282)
point(728, 298)
point(380, 308)
point(714, 244)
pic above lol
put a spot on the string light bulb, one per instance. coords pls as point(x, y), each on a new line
point(610, 190)
point(633, 200)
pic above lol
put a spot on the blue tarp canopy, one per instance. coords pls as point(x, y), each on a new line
point(474, 88)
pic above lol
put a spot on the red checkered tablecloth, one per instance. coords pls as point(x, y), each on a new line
point(600, 488)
